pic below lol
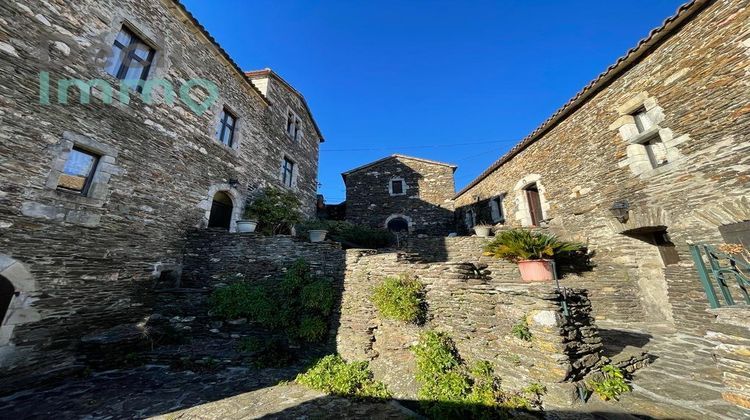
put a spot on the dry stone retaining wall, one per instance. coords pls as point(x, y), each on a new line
point(478, 314)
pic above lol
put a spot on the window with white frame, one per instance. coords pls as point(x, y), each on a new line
point(397, 186)
point(293, 125)
point(287, 172)
point(496, 209)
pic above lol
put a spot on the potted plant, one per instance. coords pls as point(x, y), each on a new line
point(249, 221)
point(532, 251)
point(315, 230)
point(483, 230)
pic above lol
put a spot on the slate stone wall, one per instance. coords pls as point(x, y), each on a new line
point(426, 204)
point(696, 84)
point(95, 259)
point(731, 332)
point(478, 313)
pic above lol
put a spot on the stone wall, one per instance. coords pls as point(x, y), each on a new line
point(478, 313)
point(694, 86)
point(425, 204)
point(731, 330)
point(211, 255)
point(94, 258)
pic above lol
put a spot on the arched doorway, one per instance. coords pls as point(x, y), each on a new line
point(398, 224)
point(221, 211)
point(7, 290)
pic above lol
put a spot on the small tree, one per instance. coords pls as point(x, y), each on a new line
point(276, 211)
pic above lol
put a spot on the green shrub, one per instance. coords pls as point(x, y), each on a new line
point(333, 375)
point(350, 235)
point(312, 329)
point(275, 210)
point(612, 385)
point(400, 298)
point(448, 389)
point(523, 244)
point(521, 330)
point(299, 305)
point(535, 389)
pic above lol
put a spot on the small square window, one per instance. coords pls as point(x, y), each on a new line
point(657, 152)
point(131, 58)
point(225, 128)
point(287, 172)
point(397, 187)
point(78, 172)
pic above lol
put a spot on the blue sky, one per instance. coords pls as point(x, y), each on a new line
point(455, 81)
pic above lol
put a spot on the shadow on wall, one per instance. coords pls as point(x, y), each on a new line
point(396, 196)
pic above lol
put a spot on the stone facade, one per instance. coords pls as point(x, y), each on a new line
point(81, 262)
point(731, 332)
point(420, 201)
point(665, 130)
point(478, 312)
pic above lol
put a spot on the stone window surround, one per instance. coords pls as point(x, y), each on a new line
point(233, 194)
point(523, 213)
point(98, 189)
point(298, 123)
point(637, 155)
point(408, 219)
point(404, 187)
point(295, 171)
point(219, 106)
point(19, 310)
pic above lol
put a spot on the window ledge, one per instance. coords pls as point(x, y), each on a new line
point(645, 136)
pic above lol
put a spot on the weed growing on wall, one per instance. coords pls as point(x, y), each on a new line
point(521, 329)
point(333, 375)
point(611, 385)
point(400, 298)
point(451, 389)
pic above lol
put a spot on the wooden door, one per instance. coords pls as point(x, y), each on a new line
point(535, 204)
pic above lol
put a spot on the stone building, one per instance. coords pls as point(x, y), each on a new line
point(663, 136)
point(401, 193)
point(97, 193)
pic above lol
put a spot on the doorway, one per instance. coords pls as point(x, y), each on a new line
point(221, 211)
point(7, 291)
point(535, 204)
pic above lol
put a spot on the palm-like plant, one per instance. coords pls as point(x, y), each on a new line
point(520, 244)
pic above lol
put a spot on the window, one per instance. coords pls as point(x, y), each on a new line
point(78, 171)
point(496, 209)
point(131, 58)
point(293, 125)
point(470, 218)
point(655, 148)
point(534, 202)
point(397, 187)
point(225, 128)
point(287, 172)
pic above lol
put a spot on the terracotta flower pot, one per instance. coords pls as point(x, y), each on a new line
point(536, 270)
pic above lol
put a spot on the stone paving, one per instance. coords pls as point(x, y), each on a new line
point(681, 382)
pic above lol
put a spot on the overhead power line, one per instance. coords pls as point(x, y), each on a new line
point(431, 146)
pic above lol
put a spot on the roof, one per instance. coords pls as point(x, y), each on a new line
point(394, 156)
point(256, 74)
point(644, 47)
point(221, 50)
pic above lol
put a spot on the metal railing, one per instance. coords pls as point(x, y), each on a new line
point(716, 267)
